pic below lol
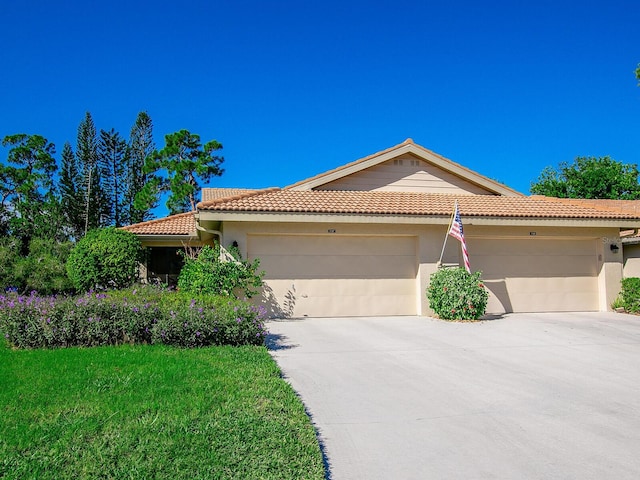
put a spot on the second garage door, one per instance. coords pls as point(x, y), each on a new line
point(537, 275)
point(329, 275)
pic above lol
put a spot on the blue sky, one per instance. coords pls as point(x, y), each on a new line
point(292, 89)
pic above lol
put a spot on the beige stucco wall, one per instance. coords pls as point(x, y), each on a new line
point(406, 173)
point(430, 241)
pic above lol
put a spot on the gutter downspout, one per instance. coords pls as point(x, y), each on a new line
point(224, 255)
point(214, 232)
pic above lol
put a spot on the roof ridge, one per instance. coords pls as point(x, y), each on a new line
point(239, 196)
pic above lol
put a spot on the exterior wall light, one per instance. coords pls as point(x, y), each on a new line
point(614, 248)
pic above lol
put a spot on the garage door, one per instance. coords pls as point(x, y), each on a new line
point(537, 275)
point(337, 276)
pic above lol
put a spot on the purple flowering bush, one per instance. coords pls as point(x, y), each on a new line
point(203, 322)
point(136, 315)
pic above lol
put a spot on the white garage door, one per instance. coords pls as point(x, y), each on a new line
point(537, 275)
point(337, 276)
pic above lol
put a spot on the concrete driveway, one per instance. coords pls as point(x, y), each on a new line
point(526, 396)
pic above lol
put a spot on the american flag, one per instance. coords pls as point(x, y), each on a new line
point(456, 232)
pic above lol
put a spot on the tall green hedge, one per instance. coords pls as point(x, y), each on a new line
point(105, 258)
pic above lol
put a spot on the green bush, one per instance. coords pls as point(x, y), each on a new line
point(207, 274)
point(455, 294)
point(44, 269)
point(136, 315)
point(9, 253)
point(105, 258)
point(630, 294)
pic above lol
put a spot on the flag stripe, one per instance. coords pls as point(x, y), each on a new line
point(456, 232)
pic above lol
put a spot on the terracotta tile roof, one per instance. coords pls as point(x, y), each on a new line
point(209, 194)
point(628, 206)
point(180, 224)
point(405, 203)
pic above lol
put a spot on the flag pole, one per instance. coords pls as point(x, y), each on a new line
point(446, 235)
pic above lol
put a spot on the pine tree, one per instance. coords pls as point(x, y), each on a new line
point(187, 163)
point(72, 194)
point(29, 201)
point(140, 147)
point(95, 209)
point(112, 162)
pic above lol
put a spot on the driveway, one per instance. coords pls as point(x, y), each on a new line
point(526, 396)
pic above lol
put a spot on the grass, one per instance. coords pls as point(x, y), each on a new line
point(151, 412)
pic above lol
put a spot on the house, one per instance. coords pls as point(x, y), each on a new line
point(364, 238)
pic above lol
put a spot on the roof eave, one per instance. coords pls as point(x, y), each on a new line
point(310, 217)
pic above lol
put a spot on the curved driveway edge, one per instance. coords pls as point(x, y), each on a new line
point(526, 396)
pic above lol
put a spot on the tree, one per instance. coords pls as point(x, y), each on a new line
point(589, 177)
point(71, 193)
point(27, 191)
point(95, 210)
point(112, 159)
point(638, 73)
point(187, 163)
point(140, 147)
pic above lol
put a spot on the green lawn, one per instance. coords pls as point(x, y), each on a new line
point(151, 412)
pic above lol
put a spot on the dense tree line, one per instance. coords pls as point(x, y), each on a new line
point(105, 180)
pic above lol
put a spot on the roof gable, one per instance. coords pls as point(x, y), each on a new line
point(405, 167)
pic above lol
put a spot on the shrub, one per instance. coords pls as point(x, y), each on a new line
point(44, 270)
point(139, 315)
point(9, 252)
point(105, 258)
point(208, 274)
point(455, 294)
point(630, 294)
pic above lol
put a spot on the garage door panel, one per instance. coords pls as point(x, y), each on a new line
point(530, 247)
point(322, 245)
point(338, 276)
point(500, 266)
point(333, 266)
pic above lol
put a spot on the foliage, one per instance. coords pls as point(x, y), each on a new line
point(44, 269)
point(112, 162)
point(137, 315)
point(95, 204)
point(71, 193)
point(589, 177)
point(140, 147)
point(455, 294)
point(9, 254)
point(209, 274)
point(152, 412)
point(27, 190)
point(186, 162)
point(630, 294)
point(105, 258)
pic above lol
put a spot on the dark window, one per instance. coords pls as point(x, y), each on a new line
point(164, 264)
